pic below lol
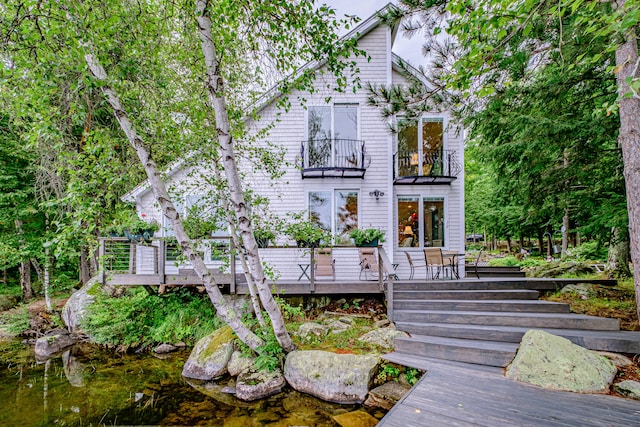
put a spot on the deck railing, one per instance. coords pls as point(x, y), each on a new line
point(436, 163)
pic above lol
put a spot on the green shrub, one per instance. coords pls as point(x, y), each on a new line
point(138, 319)
point(589, 251)
point(15, 322)
point(508, 261)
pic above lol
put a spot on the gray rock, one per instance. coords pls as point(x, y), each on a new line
point(164, 349)
point(347, 319)
point(556, 363)
point(583, 290)
point(76, 307)
point(355, 419)
point(387, 395)
point(382, 323)
point(336, 327)
point(46, 346)
point(384, 337)
point(257, 385)
point(74, 370)
point(310, 330)
point(340, 378)
point(620, 360)
point(210, 355)
point(215, 391)
point(628, 388)
point(239, 363)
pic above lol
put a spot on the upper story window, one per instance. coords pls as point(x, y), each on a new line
point(327, 122)
point(420, 148)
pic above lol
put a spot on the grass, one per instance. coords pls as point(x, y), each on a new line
point(605, 301)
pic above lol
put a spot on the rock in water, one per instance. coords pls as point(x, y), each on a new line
point(239, 363)
point(340, 378)
point(355, 419)
point(257, 385)
point(210, 355)
point(76, 307)
point(46, 346)
point(556, 363)
point(387, 395)
point(165, 348)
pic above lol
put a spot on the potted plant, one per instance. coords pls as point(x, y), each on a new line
point(141, 230)
point(263, 236)
point(306, 233)
point(367, 236)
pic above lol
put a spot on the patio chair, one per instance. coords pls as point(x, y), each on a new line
point(368, 264)
point(325, 264)
point(413, 265)
point(434, 261)
point(475, 264)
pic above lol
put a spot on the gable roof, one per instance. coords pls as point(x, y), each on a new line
point(364, 28)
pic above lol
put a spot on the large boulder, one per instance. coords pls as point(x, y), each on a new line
point(46, 346)
point(340, 378)
point(383, 337)
point(258, 385)
point(76, 307)
point(210, 355)
point(310, 330)
point(556, 363)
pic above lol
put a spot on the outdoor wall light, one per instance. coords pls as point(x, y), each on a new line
point(377, 194)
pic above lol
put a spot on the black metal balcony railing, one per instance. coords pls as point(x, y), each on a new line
point(339, 158)
point(435, 167)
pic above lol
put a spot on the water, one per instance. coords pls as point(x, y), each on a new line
point(87, 386)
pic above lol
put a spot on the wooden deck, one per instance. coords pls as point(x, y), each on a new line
point(458, 394)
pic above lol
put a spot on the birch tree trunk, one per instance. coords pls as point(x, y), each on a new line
point(215, 86)
point(46, 281)
point(225, 311)
point(627, 63)
point(253, 291)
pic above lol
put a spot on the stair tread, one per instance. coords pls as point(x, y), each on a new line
point(466, 343)
point(505, 314)
point(492, 301)
point(634, 335)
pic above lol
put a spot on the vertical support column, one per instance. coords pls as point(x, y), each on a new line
point(101, 253)
point(232, 267)
point(312, 274)
point(162, 257)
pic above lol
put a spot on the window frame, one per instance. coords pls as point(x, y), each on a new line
point(334, 207)
point(421, 200)
point(420, 143)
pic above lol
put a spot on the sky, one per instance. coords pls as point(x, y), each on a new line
point(408, 49)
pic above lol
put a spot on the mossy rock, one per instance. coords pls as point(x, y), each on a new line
point(210, 355)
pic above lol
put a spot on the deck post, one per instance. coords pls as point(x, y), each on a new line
point(161, 259)
point(232, 267)
point(312, 276)
point(101, 260)
point(132, 257)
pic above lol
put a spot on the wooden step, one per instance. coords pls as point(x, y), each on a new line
point(616, 341)
point(489, 353)
point(535, 306)
point(522, 319)
point(496, 294)
point(475, 284)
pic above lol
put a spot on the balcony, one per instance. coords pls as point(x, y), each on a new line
point(333, 158)
point(439, 167)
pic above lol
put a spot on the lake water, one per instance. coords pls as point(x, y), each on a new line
point(87, 386)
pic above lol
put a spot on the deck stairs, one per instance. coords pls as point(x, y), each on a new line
point(482, 321)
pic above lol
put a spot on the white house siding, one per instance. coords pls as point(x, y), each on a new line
point(289, 193)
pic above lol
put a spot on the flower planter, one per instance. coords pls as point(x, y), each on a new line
point(262, 243)
point(307, 244)
point(372, 243)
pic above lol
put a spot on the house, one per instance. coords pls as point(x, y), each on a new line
point(347, 169)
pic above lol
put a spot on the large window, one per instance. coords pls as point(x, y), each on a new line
point(335, 211)
point(420, 148)
point(332, 133)
point(421, 222)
